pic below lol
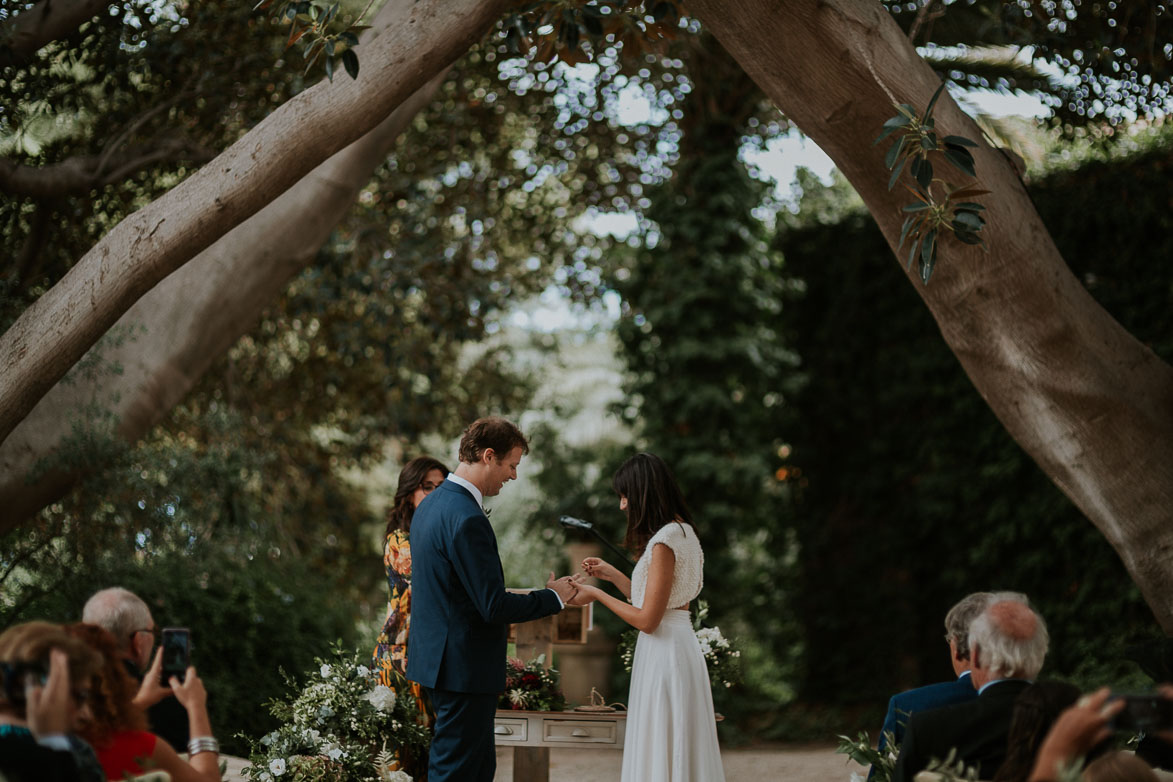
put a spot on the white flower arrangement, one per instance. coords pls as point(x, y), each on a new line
point(344, 726)
point(721, 658)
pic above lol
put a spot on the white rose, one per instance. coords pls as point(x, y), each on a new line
point(364, 671)
point(326, 670)
point(381, 697)
point(277, 766)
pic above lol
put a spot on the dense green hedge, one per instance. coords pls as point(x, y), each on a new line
point(248, 618)
point(912, 492)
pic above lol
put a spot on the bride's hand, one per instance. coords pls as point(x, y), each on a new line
point(586, 594)
point(597, 568)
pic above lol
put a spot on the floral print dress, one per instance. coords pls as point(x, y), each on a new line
point(389, 659)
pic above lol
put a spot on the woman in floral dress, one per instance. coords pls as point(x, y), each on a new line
point(416, 481)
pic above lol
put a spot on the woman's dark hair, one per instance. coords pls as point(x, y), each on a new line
point(653, 498)
point(113, 688)
point(1035, 710)
point(410, 478)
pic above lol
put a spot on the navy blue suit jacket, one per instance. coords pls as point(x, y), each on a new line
point(931, 696)
point(976, 729)
point(460, 611)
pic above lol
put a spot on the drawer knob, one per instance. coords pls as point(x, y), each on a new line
point(580, 733)
point(503, 730)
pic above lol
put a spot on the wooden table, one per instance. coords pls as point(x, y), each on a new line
point(532, 733)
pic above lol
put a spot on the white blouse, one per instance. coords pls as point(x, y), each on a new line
point(688, 575)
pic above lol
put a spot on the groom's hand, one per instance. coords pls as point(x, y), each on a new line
point(565, 587)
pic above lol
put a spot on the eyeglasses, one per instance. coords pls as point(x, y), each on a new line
point(428, 487)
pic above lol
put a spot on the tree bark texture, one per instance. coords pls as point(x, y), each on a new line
point(170, 337)
point(46, 21)
point(57, 330)
point(1089, 403)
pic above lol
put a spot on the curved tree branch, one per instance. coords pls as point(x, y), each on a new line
point(81, 174)
point(46, 21)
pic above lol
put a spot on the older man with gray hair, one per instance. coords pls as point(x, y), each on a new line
point(126, 616)
point(1007, 645)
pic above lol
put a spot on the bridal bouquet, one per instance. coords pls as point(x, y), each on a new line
point(342, 725)
point(531, 686)
point(721, 658)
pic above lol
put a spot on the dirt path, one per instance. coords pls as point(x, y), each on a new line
point(759, 763)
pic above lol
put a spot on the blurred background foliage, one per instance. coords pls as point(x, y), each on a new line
point(849, 483)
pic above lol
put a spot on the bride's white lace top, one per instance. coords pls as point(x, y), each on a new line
point(688, 576)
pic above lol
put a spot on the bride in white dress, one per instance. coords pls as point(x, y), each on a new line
point(671, 730)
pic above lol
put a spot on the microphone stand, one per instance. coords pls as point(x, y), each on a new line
point(569, 522)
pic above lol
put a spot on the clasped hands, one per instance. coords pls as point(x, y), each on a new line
point(581, 593)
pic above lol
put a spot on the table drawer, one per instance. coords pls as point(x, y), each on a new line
point(505, 729)
point(576, 732)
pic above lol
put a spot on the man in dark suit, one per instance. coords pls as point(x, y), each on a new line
point(460, 610)
point(1008, 642)
point(933, 696)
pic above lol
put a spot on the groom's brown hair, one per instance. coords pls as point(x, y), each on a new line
point(492, 432)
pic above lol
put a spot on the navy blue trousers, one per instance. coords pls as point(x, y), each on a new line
point(462, 739)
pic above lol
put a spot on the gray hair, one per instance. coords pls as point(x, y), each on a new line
point(120, 611)
point(1012, 636)
point(961, 616)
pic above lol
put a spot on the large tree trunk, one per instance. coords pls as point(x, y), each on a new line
point(1090, 404)
point(52, 334)
point(170, 337)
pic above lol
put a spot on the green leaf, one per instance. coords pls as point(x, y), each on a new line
point(888, 131)
point(912, 253)
point(896, 172)
point(330, 68)
point(348, 38)
point(928, 249)
point(966, 236)
point(350, 62)
point(960, 161)
point(969, 220)
point(924, 177)
point(933, 102)
point(968, 206)
point(894, 152)
point(928, 142)
point(908, 223)
point(915, 208)
point(961, 141)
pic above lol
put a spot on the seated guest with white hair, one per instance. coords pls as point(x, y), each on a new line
point(1007, 643)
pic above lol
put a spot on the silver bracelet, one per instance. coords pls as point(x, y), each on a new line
point(202, 744)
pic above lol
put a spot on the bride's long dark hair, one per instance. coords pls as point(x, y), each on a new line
point(653, 498)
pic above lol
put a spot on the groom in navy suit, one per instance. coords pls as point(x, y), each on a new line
point(460, 610)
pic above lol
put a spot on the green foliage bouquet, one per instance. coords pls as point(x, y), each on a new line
point(862, 752)
point(531, 686)
point(342, 725)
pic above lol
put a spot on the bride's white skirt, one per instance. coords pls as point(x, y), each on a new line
point(671, 733)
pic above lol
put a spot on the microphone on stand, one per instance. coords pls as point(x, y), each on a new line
point(570, 522)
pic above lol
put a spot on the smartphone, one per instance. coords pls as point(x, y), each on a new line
point(1144, 713)
point(176, 653)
